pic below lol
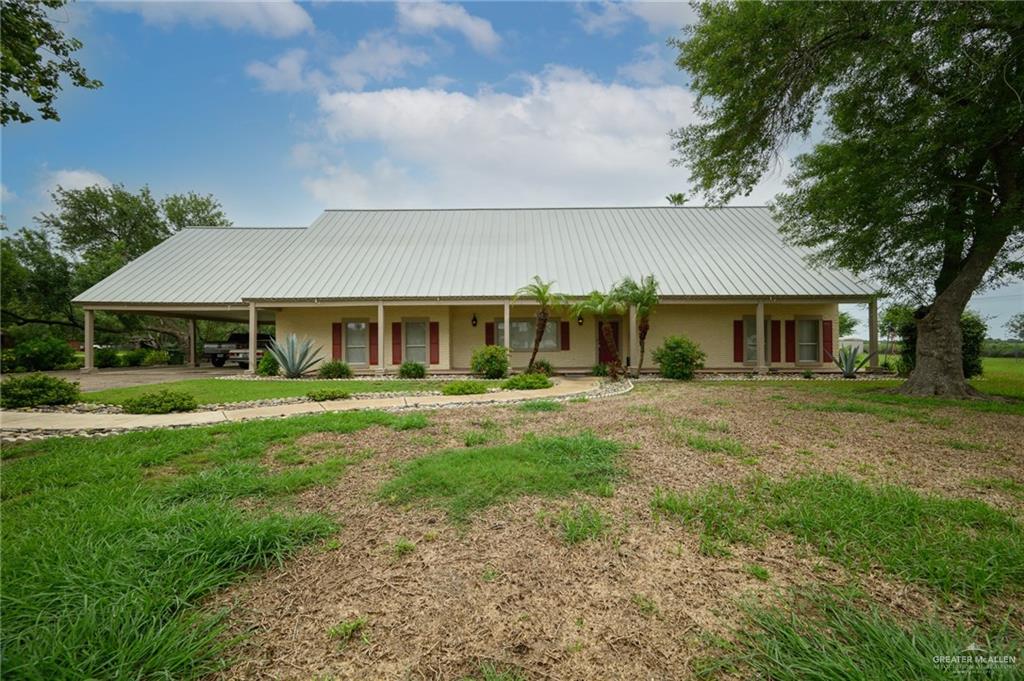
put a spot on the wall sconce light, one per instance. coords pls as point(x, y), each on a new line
point(473, 320)
point(579, 319)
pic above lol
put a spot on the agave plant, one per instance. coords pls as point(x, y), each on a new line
point(850, 362)
point(293, 357)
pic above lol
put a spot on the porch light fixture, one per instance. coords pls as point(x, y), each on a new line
point(473, 320)
point(579, 319)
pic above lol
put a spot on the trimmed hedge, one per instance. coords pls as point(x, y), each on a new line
point(527, 382)
point(335, 369)
point(155, 358)
point(104, 358)
point(328, 394)
point(490, 361)
point(35, 390)
point(412, 370)
point(679, 357)
point(160, 402)
point(268, 365)
point(42, 354)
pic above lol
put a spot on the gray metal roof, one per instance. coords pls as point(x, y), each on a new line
point(467, 253)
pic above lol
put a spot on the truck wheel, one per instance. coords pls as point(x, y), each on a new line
point(217, 362)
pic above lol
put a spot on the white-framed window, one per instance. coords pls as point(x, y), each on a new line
point(357, 342)
point(522, 332)
point(808, 340)
point(416, 341)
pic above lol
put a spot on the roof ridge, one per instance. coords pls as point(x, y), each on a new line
point(491, 208)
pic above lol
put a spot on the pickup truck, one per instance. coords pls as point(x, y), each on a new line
point(235, 349)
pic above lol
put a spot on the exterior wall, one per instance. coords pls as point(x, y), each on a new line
point(315, 323)
point(709, 325)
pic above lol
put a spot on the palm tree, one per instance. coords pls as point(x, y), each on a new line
point(644, 296)
point(676, 199)
point(541, 292)
point(604, 306)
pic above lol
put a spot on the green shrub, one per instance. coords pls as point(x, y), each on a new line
point(808, 374)
point(542, 366)
point(490, 361)
point(8, 364)
point(678, 357)
point(464, 388)
point(156, 358)
point(328, 394)
point(135, 358)
point(335, 369)
point(412, 370)
point(527, 382)
point(37, 389)
point(160, 402)
point(42, 354)
point(176, 357)
point(268, 365)
point(105, 358)
point(599, 370)
point(972, 331)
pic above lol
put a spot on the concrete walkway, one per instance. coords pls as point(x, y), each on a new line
point(19, 420)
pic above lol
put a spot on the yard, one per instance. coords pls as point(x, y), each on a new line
point(788, 529)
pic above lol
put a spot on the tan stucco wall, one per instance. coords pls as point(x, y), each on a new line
point(710, 325)
point(315, 323)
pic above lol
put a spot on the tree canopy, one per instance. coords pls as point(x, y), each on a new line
point(919, 175)
point(34, 54)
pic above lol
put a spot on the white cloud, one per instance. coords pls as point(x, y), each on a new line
point(287, 74)
point(650, 67)
point(609, 18)
point(278, 19)
point(376, 57)
point(426, 17)
point(6, 194)
point(72, 179)
point(567, 139)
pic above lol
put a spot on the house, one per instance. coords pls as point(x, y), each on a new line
point(379, 287)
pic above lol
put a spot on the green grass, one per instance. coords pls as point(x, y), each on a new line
point(959, 547)
point(646, 606)
point(492, 672)
point(466, 480)
point(540, 405)
point(723, 445)
point(1007, 485)
point(402, 547)
point(823, 636)
point(111, 545)
point(758, 572)
point(344, 630)
point(214, 391)
point(583, 523)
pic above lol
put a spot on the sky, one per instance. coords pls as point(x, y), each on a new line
point(283, 109)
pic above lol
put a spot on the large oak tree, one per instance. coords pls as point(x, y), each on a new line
point(917, 179)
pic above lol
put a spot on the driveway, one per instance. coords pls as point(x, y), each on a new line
point(127, 377)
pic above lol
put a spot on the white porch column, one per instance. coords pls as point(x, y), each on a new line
point(193, 338)
point(873, 334)
point(380, 338)
point(759, 335)
point(634, 338)
point(254, 326)
point(90, 341)
point(508, 324)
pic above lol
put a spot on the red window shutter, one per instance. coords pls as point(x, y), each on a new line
point(489, 333)
point(336, 340)
point(374, 358)
point(396, 342)
point(563, 332)
point(737, 340)
point(826, 340)
point(435, 342)
point(790, 340)
point(776, 340)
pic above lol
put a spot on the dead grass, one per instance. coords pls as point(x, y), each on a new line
point(505, 590)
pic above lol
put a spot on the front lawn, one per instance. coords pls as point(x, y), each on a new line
point(218, 391)
point(776, 529)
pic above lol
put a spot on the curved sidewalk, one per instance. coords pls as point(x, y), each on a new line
point(21, 420)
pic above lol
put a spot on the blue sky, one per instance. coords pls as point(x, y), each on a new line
point(282, 109)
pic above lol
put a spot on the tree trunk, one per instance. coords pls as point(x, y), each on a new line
point(542, 322)
point(615, 367)
point(642, 328)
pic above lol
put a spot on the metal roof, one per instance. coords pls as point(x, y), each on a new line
point(477, 253)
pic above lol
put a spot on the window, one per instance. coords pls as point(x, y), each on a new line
point(808, 348)
point(522, 332)
point(750, 339)
point(416, 342)
point(356, 342)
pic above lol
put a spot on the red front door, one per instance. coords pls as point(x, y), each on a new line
point(604, 353)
